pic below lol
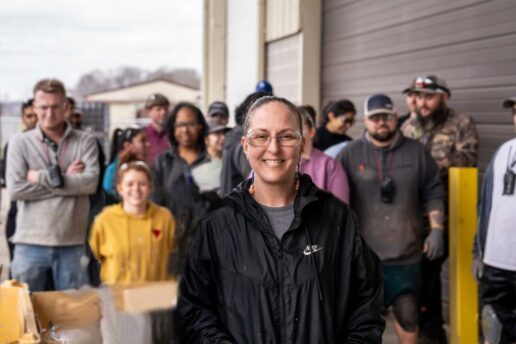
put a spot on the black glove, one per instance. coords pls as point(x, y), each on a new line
point(434, 244)
point(478, 268)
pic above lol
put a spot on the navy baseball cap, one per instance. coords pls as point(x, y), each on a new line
point(264, 86)
point(378, 103)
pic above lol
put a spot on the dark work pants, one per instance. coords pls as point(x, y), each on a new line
point(430, 313)
point(499, 291)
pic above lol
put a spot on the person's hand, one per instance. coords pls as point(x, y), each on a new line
point(434, 244)
point(75, 167)
point(33, 176)
point(478, 269)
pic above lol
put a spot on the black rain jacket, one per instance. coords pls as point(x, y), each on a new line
point(319, 284)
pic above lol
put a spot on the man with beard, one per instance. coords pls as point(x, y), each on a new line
point(410, 100)
point(452, 140)
point(393, 182)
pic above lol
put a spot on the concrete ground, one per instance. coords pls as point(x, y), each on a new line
point(389, 336)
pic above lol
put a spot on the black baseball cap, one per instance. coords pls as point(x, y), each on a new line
point(218, 108)
point(509, 103)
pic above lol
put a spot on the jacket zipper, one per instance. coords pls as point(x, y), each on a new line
point(283, 317)
point(279, 271)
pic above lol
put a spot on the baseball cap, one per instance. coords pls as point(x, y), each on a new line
point(214, 127)
point(156, 99)
point(218, 107)
point(410, 87)
point(264, 86)
point(430, 84)
point(378, 103)
point(508, 103)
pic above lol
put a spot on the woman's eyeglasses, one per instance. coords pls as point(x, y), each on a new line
point(286, 139)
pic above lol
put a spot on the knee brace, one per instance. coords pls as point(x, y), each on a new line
point(491, 326)
point(405, 309)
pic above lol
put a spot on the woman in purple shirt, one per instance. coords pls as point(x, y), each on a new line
point(325, 171)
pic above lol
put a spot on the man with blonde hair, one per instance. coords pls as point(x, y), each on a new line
point(51, 171)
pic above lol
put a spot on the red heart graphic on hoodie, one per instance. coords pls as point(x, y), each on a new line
point(156, 232)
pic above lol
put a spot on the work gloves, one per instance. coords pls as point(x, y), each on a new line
point(434, 244)
point(478, 269)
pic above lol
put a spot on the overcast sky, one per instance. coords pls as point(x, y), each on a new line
point(67, 38)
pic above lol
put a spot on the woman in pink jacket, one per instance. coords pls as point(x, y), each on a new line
point(325, 171)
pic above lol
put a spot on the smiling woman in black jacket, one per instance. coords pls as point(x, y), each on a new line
point(173, 185)
point(282, 262)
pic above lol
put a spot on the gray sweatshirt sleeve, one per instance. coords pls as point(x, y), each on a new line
point(18, 187)
point(79, 184)
point(431, 186)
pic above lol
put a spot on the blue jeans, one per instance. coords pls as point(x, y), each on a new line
point(66, 265)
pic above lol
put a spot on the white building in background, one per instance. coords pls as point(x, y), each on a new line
point(125, 103)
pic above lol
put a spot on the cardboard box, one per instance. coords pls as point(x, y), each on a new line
point(17, 322)
point(145, 297)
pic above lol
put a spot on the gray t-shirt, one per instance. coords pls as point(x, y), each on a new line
point(279, 218)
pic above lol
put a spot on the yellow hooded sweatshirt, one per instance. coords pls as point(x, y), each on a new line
point(133, 248)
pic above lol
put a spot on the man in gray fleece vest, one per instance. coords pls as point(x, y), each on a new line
point(393, 182)
point(51, 171)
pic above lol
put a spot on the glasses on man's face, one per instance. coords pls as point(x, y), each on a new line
point(263, 139)
point(385, 117)
point(186, 125)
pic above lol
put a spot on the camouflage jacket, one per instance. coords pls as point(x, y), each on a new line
point(453, 143)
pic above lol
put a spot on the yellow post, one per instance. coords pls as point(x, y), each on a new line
point(463, 223)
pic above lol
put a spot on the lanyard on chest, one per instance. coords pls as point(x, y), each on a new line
point(385, 166)
point(59, 154)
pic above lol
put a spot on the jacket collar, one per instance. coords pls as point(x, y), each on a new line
point(173, 152)
point(247, 205)
point(38, 132)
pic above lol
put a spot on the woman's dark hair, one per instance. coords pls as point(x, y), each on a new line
point(171, 124)
point(269, 99)
point(242, 108)
point(338, 108)
point(119, 138)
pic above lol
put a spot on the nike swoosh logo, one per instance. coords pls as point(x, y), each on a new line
point(308, 252)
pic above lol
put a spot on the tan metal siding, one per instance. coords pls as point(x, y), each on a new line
point(283, 67)
point(282, 18)
point(379, 46)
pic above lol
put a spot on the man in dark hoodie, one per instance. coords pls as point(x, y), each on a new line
point(393, 181)
point(235, 167)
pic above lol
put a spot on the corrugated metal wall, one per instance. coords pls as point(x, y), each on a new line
point(380, 46)
point(283, 67)
point(282, 18)
point(283, 48)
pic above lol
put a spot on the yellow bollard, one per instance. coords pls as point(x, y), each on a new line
point(463, 185)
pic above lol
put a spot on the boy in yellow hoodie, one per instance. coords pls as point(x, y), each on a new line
point(133, 239)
